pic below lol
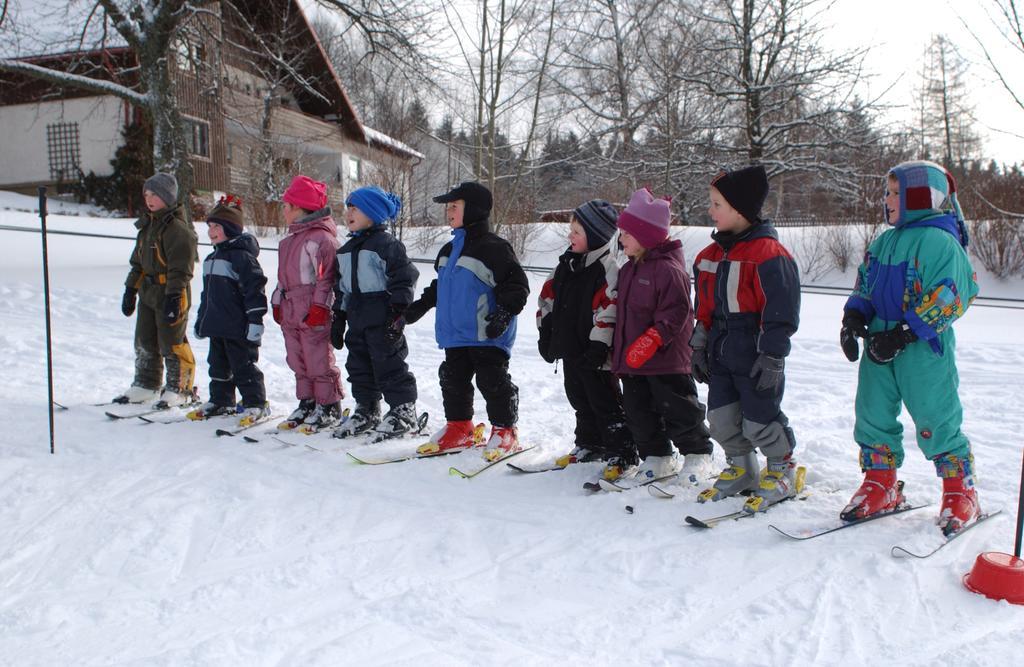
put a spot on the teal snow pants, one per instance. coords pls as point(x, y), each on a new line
point(927, 384)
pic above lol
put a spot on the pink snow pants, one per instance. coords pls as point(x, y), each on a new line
point(308, 350)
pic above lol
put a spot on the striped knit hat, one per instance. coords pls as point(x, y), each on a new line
point(646, 218)
point(598, 219)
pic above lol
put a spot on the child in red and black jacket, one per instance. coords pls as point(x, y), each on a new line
point(748, 307)
point(576, 318)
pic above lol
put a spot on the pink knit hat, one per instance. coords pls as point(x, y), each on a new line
point(306, 193)
point(646, 218)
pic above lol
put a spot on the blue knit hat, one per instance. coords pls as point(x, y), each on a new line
point(378, 205)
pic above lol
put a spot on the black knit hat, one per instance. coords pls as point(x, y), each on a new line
point(598, 218)
point(228, 214)
point(745, 190)
point(477, 197)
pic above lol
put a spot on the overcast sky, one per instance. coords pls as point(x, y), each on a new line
point(898, 31)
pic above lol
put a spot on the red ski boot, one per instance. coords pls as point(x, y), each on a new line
point(453, 437)
point(504, 440)
point(959, 505)
point(878, 493)
point(959, 499)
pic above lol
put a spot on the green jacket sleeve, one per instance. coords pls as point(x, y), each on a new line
point(948, 286)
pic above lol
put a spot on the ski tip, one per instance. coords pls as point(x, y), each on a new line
point(222, 432)
point(455, 472)
point(629, 509)
point(695, 522)
point(249, 438)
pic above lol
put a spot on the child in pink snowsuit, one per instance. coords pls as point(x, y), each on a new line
point(302, 303)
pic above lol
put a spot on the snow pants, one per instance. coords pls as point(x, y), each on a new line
point(376, 366)
point(233, 365)
point(663, 410)
point(308, 350)
point(490, 365)
point(743, 419)
point(927, 384)
point(600, 419)
point(159, 345)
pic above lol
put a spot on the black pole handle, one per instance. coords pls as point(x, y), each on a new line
point(46, 302)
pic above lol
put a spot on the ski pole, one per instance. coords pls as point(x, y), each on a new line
point(46, 306)
point(1020, 511)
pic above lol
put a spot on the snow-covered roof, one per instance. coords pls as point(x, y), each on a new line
point(384, 141)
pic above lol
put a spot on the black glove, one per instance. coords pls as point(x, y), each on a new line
point(128, 301)
point(173, 307)
point(395, 324)
point(595, 355)
point(769, 371)
point(700, 365)
point(338, 330)
point(854, 327)
point(497, 322)
point(415, 311)
point(885, 345)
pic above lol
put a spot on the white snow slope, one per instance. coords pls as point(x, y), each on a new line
point(162, 544)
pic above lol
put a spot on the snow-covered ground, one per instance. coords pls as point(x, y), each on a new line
point(166, 545)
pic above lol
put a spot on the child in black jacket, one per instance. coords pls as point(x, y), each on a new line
point(376, 282)
point(231, 311)
point(576, 318)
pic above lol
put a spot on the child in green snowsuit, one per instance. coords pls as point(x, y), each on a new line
point(916, 280)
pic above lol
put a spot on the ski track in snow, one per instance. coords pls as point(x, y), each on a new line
point(162, 544)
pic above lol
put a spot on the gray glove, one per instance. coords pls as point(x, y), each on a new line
point(769, 371)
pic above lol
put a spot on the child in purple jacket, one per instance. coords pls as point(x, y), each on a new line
point(651, 350)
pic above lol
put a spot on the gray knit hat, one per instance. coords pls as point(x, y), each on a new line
point(598, 218)
point(164, 186)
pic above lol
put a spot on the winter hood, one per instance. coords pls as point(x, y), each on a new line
point(320, 219)
point(928, 198)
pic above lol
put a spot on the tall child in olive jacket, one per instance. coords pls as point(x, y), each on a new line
point(162, 263)
point(651, 351)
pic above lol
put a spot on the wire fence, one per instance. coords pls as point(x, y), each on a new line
point(832, 290)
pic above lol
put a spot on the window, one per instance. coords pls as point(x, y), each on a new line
point(197, 134)
point(353, 169)
point(189, 53)
point(64, 151)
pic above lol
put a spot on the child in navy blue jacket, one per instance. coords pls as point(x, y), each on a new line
point(479, 290)
point(231, 313)
point(376, 282)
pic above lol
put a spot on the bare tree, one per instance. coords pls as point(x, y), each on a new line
point(782, 94)
point(946, 117)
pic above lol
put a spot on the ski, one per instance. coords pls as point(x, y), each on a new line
point(183, 418)
point(615, 487)
point(659, 492)
point(478, 442)
point(530, 471)
point(241, 429)
point(399, 459)
point(470, 475)
point(903, 552)
point(60, 406)
point(711, 522)
point(848, 524)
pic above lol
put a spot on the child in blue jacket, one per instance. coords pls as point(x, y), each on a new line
point(375, 285)
point(479, 290)
point(231, 311)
